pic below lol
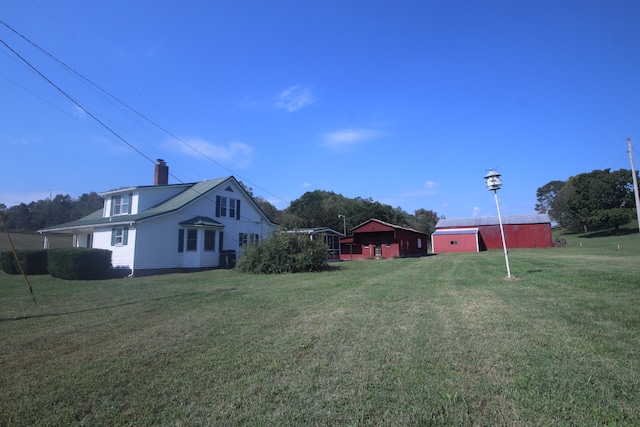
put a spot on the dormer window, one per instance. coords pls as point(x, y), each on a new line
point(121, 205)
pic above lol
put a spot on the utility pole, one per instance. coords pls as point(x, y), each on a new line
point(635, 181)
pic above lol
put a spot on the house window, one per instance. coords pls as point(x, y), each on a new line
point(245, 238)
point(366, 244)
point(209, 240)
point(227, 207)
point(192, 240)
point(419, 243)
point(232, 208)
point(120, 205)
point(223, 206)
point(388, 244)
point(119, 236)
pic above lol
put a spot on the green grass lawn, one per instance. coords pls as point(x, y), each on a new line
point(440, 340)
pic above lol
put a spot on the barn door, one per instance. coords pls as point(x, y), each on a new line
point(377, 250)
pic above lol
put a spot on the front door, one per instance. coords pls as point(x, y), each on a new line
point(377, 250)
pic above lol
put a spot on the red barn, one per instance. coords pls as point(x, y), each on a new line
point(520, 231)
point(379, 239)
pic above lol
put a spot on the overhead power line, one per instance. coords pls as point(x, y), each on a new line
point(119, 101)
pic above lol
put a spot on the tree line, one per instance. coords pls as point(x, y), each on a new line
point(597, 199)
point(601, 198)
point(312, 210)
point(51, 211)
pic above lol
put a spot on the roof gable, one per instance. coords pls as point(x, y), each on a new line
point(202, 221)
point(378, 225)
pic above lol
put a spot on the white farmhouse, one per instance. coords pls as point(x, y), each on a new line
point(177, 227)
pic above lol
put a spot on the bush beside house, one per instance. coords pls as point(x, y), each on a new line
point(284, 253)
point(79, 263)
point(33, 261)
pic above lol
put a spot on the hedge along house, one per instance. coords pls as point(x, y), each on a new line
point(482, 233)
point(379, 239)
point(166, 228)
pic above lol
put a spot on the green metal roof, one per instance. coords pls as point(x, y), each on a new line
point(194, 192)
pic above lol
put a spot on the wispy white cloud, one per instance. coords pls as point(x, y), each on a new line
point(295, 98)
point(430, 185)
point(236, 152)
point(306, 185)
point(429, 188)
point(79, 112)
point(476, 211)
point(349, 137)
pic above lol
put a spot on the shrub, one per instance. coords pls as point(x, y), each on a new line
point(33, 261)
point(285, 253)
point(79, 263)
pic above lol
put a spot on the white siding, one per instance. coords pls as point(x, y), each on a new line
point(157, 238)
point(157, 245)
point(143, 198)
point(154, 242)
point(121, 256)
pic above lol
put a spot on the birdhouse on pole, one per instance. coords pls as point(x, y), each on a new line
point(493, 180)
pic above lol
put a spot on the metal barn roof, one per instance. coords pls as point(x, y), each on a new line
point(493, 220)
point(451, 231)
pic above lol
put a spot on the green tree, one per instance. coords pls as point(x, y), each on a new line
point(546, 196)
point(601, 198)
point(426, 220)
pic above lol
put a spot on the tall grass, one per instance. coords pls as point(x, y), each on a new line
point(441, 340)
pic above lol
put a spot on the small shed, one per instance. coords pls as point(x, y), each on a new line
point(379, 239)
point(520, 231)
point(457, 240)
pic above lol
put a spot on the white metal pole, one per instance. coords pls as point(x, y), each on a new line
point(635, 181)
point(504, 244)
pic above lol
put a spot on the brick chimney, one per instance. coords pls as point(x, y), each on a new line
point(161, 176)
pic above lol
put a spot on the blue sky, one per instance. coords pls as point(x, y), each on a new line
point(408, 103)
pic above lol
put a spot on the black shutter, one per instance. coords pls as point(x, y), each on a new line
point(238, 209)
point(181, 240)
point(220, 245)
point(113, 237)
point(217, 206)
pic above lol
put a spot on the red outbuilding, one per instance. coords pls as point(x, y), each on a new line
point(482, 233)
point(379, 239)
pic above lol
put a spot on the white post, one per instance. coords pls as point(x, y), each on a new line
point(635, 181)
point(504, 244)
